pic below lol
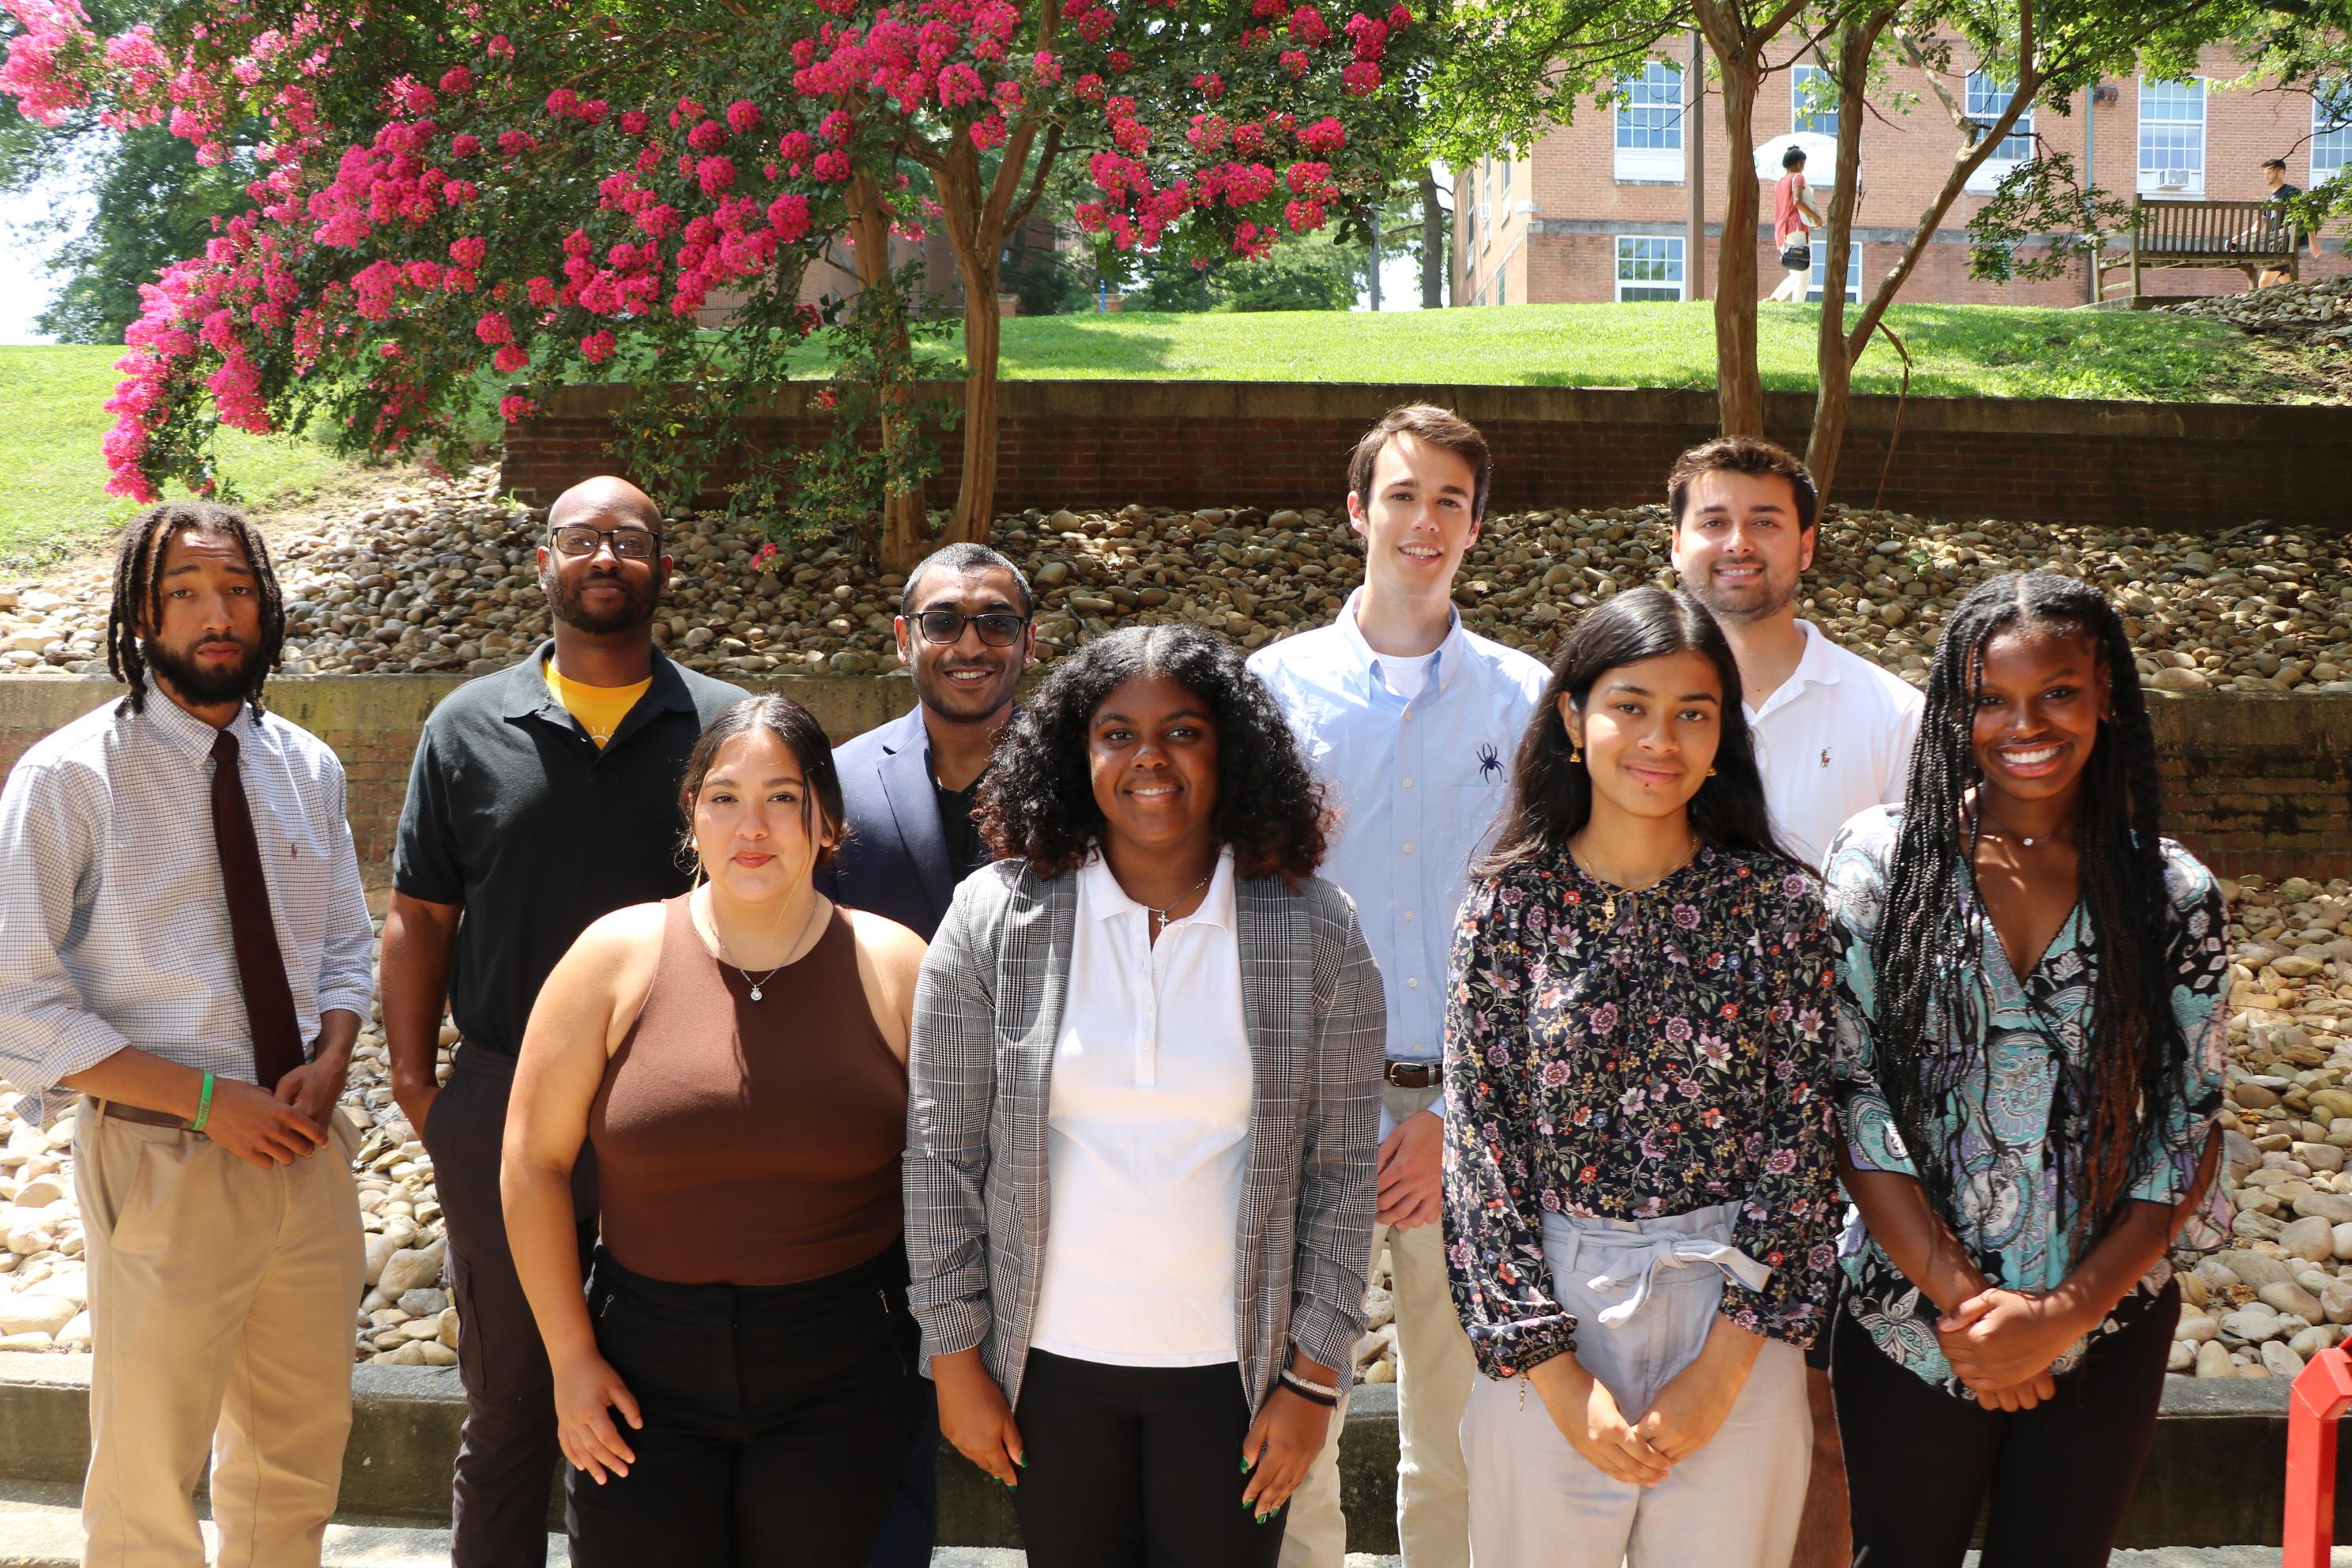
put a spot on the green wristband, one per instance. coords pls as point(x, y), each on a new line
point(204, 1106)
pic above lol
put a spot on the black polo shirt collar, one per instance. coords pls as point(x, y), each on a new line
point(527, 696)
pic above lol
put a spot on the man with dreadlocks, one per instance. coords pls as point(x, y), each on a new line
point(197, 976)
point(2030, 1057)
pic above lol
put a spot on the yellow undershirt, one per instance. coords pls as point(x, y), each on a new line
point(599, 708)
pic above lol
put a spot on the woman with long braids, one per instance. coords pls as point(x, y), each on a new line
point(2029, 1061)
point(1640, 1198)
point(1144, 1092)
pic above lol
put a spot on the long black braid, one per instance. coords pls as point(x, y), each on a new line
point(139, 591)
point(1930, 951)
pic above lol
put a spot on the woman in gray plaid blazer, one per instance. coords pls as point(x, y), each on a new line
point(1159, 832)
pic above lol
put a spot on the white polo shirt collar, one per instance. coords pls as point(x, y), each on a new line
point(1452, 652)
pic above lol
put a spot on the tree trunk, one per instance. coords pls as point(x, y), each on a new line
point(905, 532)
point(1739, 386)
point(1856, 39)
point(1432, 244)
point(974, 516)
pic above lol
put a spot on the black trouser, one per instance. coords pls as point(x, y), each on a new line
point(913, 1527)
point(507, 1451)
point(1133, 1467)
point(1919, 1463)
point(777, 1419)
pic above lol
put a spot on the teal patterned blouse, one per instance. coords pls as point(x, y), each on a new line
point(1997, 1132)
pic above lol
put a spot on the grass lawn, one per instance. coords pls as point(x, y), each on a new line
point(1955, 350)
point(52, 473)
point(52, 478)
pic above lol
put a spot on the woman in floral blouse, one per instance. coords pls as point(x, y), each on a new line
point(2030, 1057)
point(1640, 1190)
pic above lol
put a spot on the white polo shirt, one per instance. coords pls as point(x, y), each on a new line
point(1833, 740)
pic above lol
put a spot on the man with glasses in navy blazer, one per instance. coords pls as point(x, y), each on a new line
point(966, 634)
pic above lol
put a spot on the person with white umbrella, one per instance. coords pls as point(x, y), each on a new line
point(1794, 218)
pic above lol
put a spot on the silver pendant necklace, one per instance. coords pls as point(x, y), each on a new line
point(815, 903)
point(1160, 916)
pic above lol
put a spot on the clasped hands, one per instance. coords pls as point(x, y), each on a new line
point(2002, 1343)
point(1682, 1419)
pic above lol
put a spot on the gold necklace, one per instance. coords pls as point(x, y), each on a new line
point(1609, 894)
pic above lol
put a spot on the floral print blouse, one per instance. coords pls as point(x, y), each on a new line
point(1996, 1129)
point(1674, 1057)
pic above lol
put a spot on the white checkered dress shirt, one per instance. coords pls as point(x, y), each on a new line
point(113, 921)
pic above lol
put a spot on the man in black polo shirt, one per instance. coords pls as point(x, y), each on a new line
point(542, 798)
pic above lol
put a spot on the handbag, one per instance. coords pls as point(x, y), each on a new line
point(1797, 256)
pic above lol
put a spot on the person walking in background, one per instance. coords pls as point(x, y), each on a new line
point(540, 799)
point(738, 1386)
point(2278, 193)
point(1832, 734)
point(1409, 720)
point(197, 974)
point(1641, 1197)
point(1794, 218)
point(2030, 1037)
point(1138, 1235)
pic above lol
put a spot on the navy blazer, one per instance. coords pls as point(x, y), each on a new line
point(895, 861)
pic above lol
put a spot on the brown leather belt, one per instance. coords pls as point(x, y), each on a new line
point(142, 1115)
point(1414, 1075)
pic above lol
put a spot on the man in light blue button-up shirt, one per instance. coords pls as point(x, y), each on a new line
point(1413, 722)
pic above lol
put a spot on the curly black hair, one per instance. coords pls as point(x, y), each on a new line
point(1930, 944)
point(1037, 803)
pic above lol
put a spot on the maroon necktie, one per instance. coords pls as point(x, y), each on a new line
point(260, 969)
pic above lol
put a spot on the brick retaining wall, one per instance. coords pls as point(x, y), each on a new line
point(1273, 444)
point(2255, 785)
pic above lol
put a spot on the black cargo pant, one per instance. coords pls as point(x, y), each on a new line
point(507, 1451)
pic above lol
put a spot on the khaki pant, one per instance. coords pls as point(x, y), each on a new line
point(1645, 1295)
point(222, 1300)
point(1435, 1371)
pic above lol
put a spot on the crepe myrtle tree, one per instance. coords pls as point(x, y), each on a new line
point(535, 192)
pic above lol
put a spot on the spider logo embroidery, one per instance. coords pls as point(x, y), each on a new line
point(1489, 762)
point(1825, 756)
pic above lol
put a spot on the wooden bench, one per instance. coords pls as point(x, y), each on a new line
point(2252, 237)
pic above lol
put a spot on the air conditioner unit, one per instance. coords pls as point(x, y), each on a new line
point(2178, 179)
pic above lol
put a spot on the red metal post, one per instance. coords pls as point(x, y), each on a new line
point(2322, 1392)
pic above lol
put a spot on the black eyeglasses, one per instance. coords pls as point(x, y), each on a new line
point(628, 543)
point(998, 628)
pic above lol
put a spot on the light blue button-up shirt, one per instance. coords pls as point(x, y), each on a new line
point(1419, 785)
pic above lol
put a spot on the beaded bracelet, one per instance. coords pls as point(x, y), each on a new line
point(204, 1106)
point(1313, 1393)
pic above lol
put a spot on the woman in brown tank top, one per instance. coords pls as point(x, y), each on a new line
point(738, 1058)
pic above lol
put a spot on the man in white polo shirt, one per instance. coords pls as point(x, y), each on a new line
point(1413, 722)
point(1833, 735)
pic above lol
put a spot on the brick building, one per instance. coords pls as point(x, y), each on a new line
point(1598, 210)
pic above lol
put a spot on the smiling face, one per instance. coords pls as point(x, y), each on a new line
point(1650, 731)
point(207, 648)
point(1152, 749)
point(1416, 523)
point(1737, 547)
point(2039, 700)
point(966, 681)
point(756, 828)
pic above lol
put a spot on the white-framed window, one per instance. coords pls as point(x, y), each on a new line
point(1650, 125)
point(1812, 101)
point(1853, 274)
point(1649, 267)
point(2331, 128)
point(1987, 97)
point(2172, 137)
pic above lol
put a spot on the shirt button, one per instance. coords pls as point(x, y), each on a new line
point(1412, 985)
point(1408, 914)
point(1408, 849)
point(1408, 784)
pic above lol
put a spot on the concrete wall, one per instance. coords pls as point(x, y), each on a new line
point(1273, 443)
point(2271, 791)
point(1545, 234)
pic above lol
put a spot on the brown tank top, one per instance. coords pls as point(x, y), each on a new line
point(750, 1142)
